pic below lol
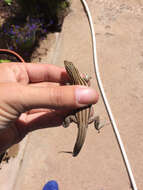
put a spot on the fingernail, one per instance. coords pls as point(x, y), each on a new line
point(86, 95)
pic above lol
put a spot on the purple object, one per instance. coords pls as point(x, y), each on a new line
point(51, 185)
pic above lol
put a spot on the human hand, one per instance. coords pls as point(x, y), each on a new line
point(32, 97)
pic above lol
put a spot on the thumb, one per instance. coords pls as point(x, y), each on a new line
point(19, 98)
point(57, 97)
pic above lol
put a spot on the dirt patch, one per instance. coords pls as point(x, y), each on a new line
point(10, 153)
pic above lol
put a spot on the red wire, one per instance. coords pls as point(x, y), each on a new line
point(13, 53)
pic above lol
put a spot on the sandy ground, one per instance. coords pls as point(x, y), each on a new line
point(99, 166)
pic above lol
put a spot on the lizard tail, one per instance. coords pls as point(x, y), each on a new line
point(80, 140)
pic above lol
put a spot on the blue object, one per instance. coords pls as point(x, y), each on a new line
point(51, 185)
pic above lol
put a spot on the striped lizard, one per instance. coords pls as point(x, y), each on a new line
point(82, 117)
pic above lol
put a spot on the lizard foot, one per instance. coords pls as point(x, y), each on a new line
point(99, 125)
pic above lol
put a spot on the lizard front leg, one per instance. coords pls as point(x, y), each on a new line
point(69, 119)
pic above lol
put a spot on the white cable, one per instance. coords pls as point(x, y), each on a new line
point(107, 106)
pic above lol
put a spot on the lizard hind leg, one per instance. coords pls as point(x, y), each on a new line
point(97, 124)
point(96, 120)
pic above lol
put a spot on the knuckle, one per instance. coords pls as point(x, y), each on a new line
point(58, 96)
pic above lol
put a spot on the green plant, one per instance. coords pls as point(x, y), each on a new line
point(22, 36)
point(4, 61)
point(8, 2)
point(49, 6)
point(32, 20)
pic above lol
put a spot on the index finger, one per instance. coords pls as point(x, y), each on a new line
point(38, 72)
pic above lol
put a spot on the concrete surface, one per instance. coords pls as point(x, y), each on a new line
point(99, 166)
